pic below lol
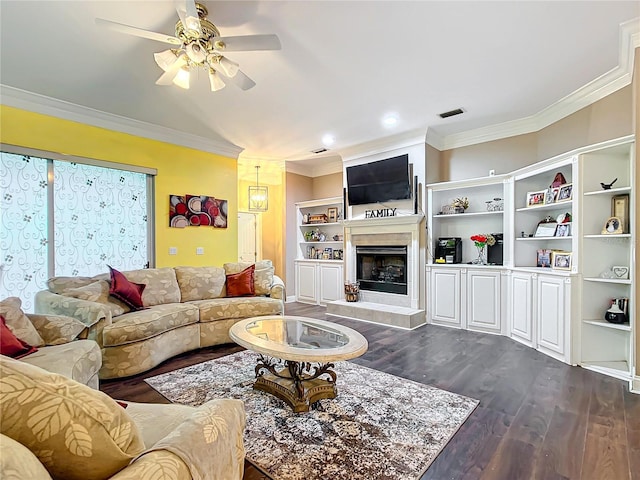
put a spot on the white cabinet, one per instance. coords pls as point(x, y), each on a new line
point(319, 282)
point(484, 301)
point(520, 309)
point(306, 282)
point(444, 304)
point(331, 282)
point(319, 266)
point(553, 315)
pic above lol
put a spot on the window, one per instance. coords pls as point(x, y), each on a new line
point(60, 217)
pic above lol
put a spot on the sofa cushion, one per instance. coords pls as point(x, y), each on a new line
point(12, 346)
point(237, 307)
point(18, 462)
point(76, 432)
point(263, 275)
point(143, 324)
point(60, 284)
point(241, 284)
point(129, 293)
point(98, 291)
point(18, 322)
point(200, 283)
point(161, 285)
point(79, 360)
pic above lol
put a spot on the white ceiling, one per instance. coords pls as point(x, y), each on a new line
point(343, 65)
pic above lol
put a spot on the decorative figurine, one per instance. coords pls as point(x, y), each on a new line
point(607, 186)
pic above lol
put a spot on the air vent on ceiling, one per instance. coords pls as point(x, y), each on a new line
point(451, 113)
point(320, 150)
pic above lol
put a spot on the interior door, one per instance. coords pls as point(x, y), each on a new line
point(249, 237)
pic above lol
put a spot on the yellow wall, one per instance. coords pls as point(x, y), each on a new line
point(181, 170)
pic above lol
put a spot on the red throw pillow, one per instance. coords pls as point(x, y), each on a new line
point(241, 284)
point(12, 346)
point(127, 292)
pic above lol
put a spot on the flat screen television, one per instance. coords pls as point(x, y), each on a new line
point(379, 181)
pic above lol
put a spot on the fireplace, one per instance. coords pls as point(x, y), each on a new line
point(382, 268)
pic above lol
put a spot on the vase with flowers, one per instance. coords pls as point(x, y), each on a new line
point(481, 240)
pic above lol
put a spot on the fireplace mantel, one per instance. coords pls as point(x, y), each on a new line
point(386, 221)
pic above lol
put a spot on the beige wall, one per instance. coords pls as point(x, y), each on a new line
point(298, 189)
point(327, 186)
point(433, 162)
point(503, 156)
point(608, 118)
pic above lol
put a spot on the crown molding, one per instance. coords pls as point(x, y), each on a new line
point(608, 83)
point(33, 102)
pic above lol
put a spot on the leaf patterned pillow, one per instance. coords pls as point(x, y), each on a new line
point(98, 291)
point(76, 432)
point(18, 322)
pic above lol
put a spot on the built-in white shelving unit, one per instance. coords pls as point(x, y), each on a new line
point(559, 311)
point(320, 244)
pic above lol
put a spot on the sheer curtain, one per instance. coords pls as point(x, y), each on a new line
point(68, 218)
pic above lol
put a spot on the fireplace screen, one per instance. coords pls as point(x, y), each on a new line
point(382, 269)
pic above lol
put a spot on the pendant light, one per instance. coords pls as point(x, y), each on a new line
point(258, 196)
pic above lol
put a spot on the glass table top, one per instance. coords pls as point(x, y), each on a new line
point(297, 333)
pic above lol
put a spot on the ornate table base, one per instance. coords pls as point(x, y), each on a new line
point(298, 383)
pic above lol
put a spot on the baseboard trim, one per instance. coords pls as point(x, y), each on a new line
point(634, 385)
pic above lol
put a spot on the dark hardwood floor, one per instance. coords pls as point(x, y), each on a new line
point(537, 419)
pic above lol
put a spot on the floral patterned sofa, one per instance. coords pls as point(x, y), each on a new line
point(185, 308)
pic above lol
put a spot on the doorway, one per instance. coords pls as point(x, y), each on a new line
point(249, 237)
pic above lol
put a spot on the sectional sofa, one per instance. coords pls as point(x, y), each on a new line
point(184, 308)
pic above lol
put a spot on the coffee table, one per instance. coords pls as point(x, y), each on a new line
point(308, 348)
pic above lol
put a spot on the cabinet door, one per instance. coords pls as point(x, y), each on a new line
point(521, 307)
point(306, 282)
point(331, 283)
point(483, 301)
point(445, 297)
point(551, 315)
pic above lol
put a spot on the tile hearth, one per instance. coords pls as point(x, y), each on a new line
point(391, 315)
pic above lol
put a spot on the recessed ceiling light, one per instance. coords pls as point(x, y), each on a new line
point(390, 120)
point(328, 140)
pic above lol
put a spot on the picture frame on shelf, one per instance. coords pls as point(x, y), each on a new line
point(620, 272)
point(613, 226)
point(620, 209)
point(565, 192)
point(337, 254)
point(561, 260)
point(327, 254)
point(551, 195)
point(563, 230)
point(332, 214)
point(536, 198)
point(546, 229)
point(543, 258)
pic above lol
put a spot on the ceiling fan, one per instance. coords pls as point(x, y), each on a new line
point(197, 44)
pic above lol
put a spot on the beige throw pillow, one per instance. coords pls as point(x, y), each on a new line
point(76, 432)
point(19, 323)
point(263, 275)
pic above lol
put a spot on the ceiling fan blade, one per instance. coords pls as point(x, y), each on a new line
point(241, 81)
point(189, 17)
point(138, 32)
point(247, 43)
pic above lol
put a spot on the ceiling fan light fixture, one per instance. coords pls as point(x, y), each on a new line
point(215, 81)
point(182, 78)
point(196, 52)
point(165, 59)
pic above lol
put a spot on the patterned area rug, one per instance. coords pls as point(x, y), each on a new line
point(378, 427)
